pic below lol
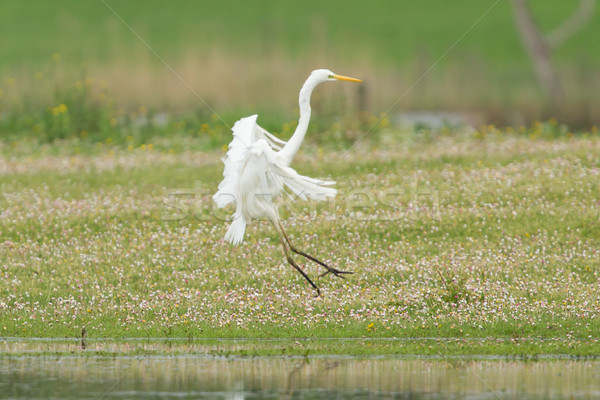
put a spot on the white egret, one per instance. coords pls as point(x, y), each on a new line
point(257, 169)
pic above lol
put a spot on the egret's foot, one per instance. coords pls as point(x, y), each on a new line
point(336, 272)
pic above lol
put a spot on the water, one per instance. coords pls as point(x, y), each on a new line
point(186, 377)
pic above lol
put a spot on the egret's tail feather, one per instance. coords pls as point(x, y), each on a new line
point(235, 233)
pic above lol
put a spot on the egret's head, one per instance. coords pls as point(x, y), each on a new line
point(324, 75)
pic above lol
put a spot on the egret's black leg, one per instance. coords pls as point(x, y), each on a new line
point(293, 264)
point(334, 271)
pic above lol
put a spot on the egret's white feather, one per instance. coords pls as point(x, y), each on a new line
point(243, 138)
point(253, 177)
point(273, 140)
point(235, 233)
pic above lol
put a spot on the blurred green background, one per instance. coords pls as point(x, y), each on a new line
point(249, 57)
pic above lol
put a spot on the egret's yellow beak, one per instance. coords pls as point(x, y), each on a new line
point(346, 78)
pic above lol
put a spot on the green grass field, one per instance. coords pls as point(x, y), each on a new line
point(461, 235)
point(473, 241)
point(394, 32)
point(254, 57)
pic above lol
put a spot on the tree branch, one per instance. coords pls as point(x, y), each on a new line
point(572, 25)
point(538, 49)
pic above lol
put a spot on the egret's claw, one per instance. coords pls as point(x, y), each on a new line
point(338, 273)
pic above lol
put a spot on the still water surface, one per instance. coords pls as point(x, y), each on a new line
point(168, 377)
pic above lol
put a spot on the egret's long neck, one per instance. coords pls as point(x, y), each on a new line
point(292, 146)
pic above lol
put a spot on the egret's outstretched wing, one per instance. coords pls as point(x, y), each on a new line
point(245, 134)
point(243, 138)
point(253, 178)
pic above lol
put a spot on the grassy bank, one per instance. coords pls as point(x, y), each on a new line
point(524, 349)
point(474, 234)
